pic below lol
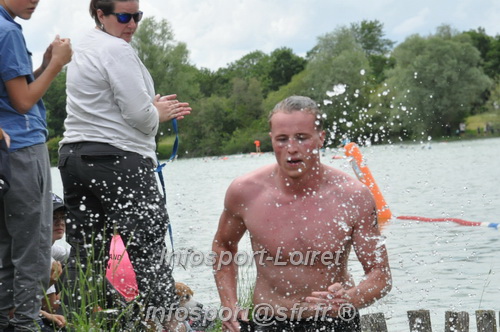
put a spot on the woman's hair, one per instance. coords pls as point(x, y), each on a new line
point(107, 7)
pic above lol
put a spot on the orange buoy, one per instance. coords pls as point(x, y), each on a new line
point(365, 176)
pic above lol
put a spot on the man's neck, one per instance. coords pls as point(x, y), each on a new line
point(303, 185)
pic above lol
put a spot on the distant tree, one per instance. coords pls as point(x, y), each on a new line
point(297, 86)
point(489, 47)
point(220, 82)
point(492, 66)
point(246, 101)
point(284, 64)
point(336, 76)
point(446, 31)
point(213, 82)
point(436, 82)
point(379, 65)
point(272, 71)
point(252, 65)
point(480, 40)
point(370, 35)
point(205, 133)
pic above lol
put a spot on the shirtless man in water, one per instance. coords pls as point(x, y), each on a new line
point(303, 217)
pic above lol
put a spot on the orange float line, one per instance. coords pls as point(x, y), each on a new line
point(365, 176)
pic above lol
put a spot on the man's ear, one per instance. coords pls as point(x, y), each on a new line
point(322, 136)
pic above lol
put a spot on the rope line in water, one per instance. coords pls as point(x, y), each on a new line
point(362, 172)
point(455, 220)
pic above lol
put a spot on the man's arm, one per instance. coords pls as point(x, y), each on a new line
point(225, 245)
point(372, 254)
point(23, 95)
point(370, 249)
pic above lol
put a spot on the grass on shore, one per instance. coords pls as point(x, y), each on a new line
point(480, 120)
point(164, 147)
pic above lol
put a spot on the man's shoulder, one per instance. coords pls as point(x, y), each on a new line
point(334, 175)
point(250, 184)
point(340, 180)
point(257, 176)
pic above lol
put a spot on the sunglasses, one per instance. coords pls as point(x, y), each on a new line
point(124, 18)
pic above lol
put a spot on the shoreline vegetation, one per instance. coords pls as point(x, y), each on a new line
point(474, 130)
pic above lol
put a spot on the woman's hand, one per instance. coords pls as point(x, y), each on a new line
point(169, 108)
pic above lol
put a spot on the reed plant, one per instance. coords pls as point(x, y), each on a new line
point(89, 302)
point(246, 287)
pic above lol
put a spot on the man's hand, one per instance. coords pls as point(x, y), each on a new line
point(231, 324)
point(331, 300)
point(5, 136)
point(60, 51)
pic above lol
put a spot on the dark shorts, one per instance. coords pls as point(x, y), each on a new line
point(329, 324)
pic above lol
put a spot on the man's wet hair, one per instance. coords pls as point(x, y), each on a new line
point(299, 103)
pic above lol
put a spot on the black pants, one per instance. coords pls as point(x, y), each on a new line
point(107, 191)
point(329, 324)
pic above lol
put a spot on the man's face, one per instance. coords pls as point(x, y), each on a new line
point(296, 142)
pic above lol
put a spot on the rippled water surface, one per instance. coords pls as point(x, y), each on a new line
point(435, 266)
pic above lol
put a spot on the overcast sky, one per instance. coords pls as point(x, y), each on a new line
point(221, 31)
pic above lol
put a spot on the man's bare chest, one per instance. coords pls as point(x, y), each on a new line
point(298, 227)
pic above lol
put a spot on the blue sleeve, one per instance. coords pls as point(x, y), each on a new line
point(15, 59)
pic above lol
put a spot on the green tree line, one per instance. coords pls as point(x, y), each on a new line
point(369, 88)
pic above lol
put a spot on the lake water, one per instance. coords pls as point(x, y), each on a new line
point(435, 266)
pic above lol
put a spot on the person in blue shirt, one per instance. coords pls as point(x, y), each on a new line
point(26, 209)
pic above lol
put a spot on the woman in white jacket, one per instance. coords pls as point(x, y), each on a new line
point(107, 156)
